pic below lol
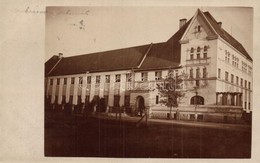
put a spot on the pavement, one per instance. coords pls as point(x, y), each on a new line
point(124, 117)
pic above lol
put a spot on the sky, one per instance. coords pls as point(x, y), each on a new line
point(82, 30)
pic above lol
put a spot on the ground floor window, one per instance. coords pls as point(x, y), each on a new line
point(200, 117)
point(197, 100)
point(127, 101)
point(116, 100)
point(106, 99)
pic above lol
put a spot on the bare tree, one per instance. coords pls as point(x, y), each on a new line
point(171, 91)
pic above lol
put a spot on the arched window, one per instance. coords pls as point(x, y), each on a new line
point(205, 51)
point(197, 100)
point(198, 49)
point(191, 53)
point(198, 53)
point(192, 50)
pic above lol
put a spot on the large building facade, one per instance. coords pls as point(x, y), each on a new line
point(215, 68)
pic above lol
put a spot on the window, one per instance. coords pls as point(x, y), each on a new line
point(118, 78)
point(245, 84)
point(237, 80)
point(192, 50)
point(226, 76)
point(127, 101)
point(198, 53)
point(51, 81)
point(249, 85)
point(197, 83)
point(106, 100)
point(158, 75)
point(157, 100)
point(65, 81)
point(58, 81)
point(197, 73)
point(89, 79)
point(129, 77)
point(72, 80)
point(116, 100)
point(198, 28)
point(107, 78)
point(191, 73)
point(80, 80)
point(204, 72)
point(191, 56)
point(241, 82)
point(205, 51)
point(219, 73)
point(191, 53)
point(98, 79)
point(197, 100)
point(232, 78)
point(144, 76)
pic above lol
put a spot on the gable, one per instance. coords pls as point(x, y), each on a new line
point(199, 29)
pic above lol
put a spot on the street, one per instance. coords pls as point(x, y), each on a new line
point(74, 136)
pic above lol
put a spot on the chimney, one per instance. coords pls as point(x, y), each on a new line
point(60, 55)
point(182, 22)
point(220, 24)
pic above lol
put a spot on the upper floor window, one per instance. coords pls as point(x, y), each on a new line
point(205, 51)
point(197, 72)
point(144, 76)
point(158, 75)
point(232, 78)
point(129, 77)
point(191, 73)
point(51, 81)
point(107, 78)
point(118, 78)
point(88, 79)
point(58, 81)
point(80, 80)
point(241, 82)
point(98, 79)
point(191, 53)
point(65, 81)
point(72, 80)
point(237, 80)
point(198, 28)
point(219, 73)
point(249, 85)
point(226, 76)
point(198, 53)
point(245, 84)
point(204, 72)
point(192, 50)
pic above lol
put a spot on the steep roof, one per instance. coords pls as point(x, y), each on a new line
point(167, 53)
point(102, 61)
point(226, 36)
point(50, 64)
point(150, 56)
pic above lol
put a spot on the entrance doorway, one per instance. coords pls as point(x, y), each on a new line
point(140, 105)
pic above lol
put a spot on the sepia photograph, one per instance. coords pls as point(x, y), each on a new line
point(148, 82)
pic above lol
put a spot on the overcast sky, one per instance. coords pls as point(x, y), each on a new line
point(82, 30)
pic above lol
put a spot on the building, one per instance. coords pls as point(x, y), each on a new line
point(216, 72)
